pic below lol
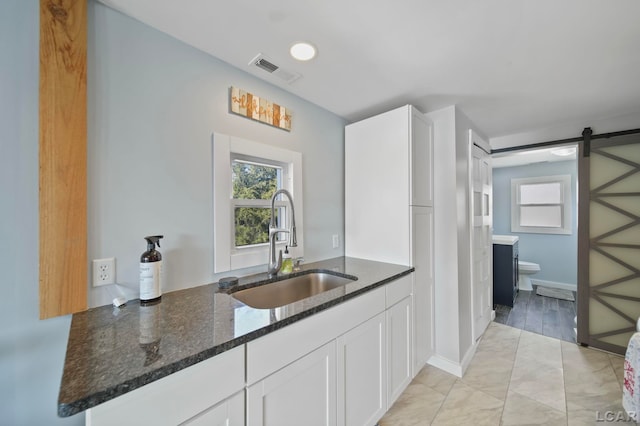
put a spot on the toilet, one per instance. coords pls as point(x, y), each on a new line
point(525, 270)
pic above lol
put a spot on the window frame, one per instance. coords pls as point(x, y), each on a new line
point(228, 257)
point(565, 205)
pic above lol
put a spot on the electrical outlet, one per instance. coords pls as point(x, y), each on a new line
point(104, 271)
point(336, 240)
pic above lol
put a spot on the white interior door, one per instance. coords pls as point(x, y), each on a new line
point(481, 245)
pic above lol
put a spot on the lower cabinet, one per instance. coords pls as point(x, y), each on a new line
point(399, 332)
point(210, 392)
point(300, 393)
point(229, 412)
point(362, 373)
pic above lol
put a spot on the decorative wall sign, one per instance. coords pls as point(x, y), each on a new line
point(259, 109)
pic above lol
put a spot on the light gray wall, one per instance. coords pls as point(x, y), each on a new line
point(31, 351)
point(154, 103)
point(556, 254)
point(146, 92)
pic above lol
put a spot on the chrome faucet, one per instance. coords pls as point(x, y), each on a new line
point(276, 264)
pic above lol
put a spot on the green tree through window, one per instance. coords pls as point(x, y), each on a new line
point(253, 182)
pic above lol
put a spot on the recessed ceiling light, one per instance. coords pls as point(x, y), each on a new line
point(303, 51)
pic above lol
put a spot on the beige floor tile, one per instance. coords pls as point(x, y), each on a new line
point(500, 339)
point(489, 373)
point(594, 396)
point(436, 379)
point(539, 382)
point(467, 406)
point(580, 417)
point(538, 349)
point(502, 332)
point(520, 410)
point(517, 378)
point(418, 405)
point(578, 361)
point(617, 362)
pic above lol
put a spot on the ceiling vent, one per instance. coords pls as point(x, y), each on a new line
point(267, 65)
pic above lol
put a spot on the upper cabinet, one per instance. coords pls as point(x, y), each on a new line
point(388, 170)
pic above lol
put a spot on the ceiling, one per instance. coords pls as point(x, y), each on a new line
point(510, 65)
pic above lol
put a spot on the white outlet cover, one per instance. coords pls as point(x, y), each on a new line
point(104, 271)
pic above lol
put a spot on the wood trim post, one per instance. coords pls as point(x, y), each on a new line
point(63, 157)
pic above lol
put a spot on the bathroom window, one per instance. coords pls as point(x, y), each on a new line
point(245, 176)
point(541, 205)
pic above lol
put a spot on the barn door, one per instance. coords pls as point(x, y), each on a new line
point(609, 241)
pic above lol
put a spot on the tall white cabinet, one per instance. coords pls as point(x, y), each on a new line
point(389, 207)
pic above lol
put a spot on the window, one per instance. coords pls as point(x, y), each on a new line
point(245, 176)
point(541, 205)
point(254, 182)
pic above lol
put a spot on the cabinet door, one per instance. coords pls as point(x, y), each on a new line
point(422, 257)
point(302, 393)
point(362, 373)
point(229, 412)
point(399, 365)
point(421, 159)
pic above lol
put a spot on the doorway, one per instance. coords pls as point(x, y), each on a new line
point(548, 306)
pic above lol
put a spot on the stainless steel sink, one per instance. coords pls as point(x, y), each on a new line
point(289, 290)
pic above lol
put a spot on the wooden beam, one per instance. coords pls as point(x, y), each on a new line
point(63, 157)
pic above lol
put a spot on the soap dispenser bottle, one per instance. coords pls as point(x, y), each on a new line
point(287, 262)
point(150, 271)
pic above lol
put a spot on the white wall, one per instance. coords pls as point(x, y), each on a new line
point(154, 103)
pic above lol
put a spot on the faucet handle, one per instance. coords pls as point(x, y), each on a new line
point(298, 261)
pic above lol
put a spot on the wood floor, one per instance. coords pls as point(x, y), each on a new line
point(539, 314)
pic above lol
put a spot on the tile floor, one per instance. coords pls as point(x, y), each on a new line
point(539, 314)
point(517, 378)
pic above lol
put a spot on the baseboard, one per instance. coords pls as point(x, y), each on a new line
point(469, 356)
point(445, 364)
point(553, 284)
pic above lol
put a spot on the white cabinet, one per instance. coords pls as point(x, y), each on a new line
point(423, 286)
point(301, 393)
point(399, 318)
point(389, 209)
point(362, 373)
point(229, 412)
point(181, 396)
point(421, 154)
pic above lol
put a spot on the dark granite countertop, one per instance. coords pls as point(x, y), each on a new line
point(112, 351)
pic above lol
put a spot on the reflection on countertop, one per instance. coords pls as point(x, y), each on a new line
point(112, 351)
